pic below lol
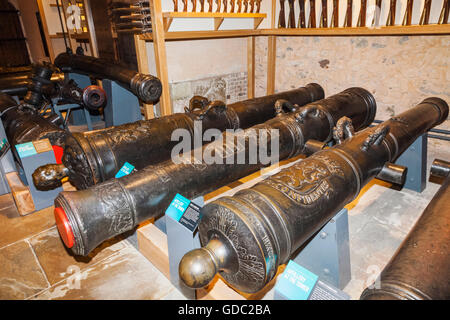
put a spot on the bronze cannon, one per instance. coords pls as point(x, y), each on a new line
point(146, 87)
point(88, 217)
point(420, 269)
point(93, 157)
point(22, 124)
point(28, 121)
point(18, 83)
point(246, 237)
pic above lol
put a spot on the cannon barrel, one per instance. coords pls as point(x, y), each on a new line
point(88, 217)
point(97, 156)
point(40, 84)
point(420, 269)
point(246, 237)
point(146, 87)
point(92, 97)
point(18, 85)
point(23, 124)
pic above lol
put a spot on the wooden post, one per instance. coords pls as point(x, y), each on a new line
point(45, 27)
point(251, 67)
point(142, 61)
point(271, 53)
point(271, 59)
point(160, 55)
point(91, 29)
point(72, 42)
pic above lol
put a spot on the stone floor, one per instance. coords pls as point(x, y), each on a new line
point(34, 264)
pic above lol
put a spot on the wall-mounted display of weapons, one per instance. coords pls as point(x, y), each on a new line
point(369, 13)
point(217, 9)
point(443, 17)
point(218, 6)
point(133, 18)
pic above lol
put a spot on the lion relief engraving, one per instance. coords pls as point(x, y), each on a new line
point(308, 180)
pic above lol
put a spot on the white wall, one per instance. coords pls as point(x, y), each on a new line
point(198, 59)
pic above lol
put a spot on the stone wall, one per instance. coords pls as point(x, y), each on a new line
point(399, 70)
point(228, 88)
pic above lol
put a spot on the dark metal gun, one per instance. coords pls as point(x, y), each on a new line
point(391, 16)
point(111, 208)
point(23, 123)
point(146, 87)
point(258, 6)
point(408, 13)
point(377, 14)
point(246, 237)
point(425, 17)
point(324, 15)
point(92, 97)
point(291, 21)
point(348, 14)
point(420, 269)
point(443, 17)
point(335, 14)
point(301, 15)
point(282, 16)
point(362, 14)
point(312, 14)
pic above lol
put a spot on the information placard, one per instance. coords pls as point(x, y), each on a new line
point(26, 149)
point(298, 283)
point(185, 212)
point(126, 169)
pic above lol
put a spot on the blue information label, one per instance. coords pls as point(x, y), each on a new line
point(177, 207)
point(296, 282)
point(4, 147)
point(126, 169)
point(26, 149)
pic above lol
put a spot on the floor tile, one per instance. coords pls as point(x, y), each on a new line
point(20, 274)
point(6, 201)
point(123, 275)
point(14, 227)
point(59, 262)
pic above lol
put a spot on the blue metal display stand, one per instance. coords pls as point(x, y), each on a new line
point(180, 240)
point(79, 115)
point(415, 159)
point(122, 105)
point(328, 253)
point(31, 159)
point(6, 163)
